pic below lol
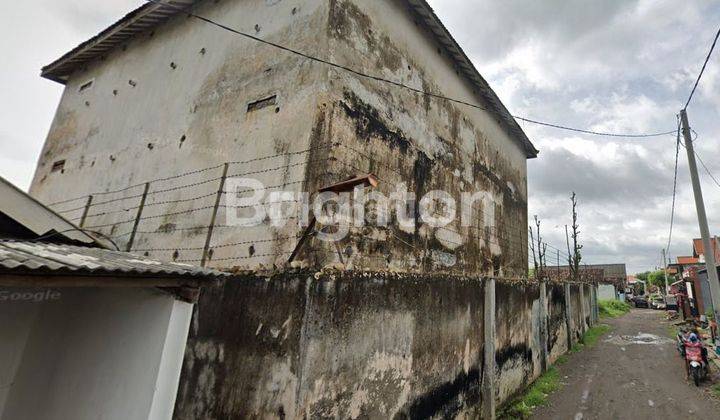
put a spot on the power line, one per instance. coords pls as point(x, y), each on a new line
point(392, 82)
point(712, 47)
point(707, 170)
point(596, 133)
point(702, 162)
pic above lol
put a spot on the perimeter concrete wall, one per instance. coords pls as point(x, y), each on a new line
point(354, 345)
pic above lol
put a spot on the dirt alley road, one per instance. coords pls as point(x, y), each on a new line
point(619, 378)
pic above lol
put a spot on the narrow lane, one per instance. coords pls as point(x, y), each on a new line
point(634, 372)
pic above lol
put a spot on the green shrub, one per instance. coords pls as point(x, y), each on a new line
point(535, 396)
point(613, 308)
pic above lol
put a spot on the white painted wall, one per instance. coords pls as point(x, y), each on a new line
point(94, 353)
point(606, 292)
point(107, 128)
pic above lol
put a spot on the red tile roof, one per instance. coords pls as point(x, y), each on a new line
point(687, 260)
point(698, 247)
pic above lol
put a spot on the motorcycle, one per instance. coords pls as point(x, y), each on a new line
point(695, 361)
point(680, 343)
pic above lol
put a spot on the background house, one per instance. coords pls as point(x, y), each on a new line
point(698, 249)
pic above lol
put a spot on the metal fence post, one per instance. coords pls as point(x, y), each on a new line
point(86, 211)
point(211, 227)
point(488, 386)
point(137, 217)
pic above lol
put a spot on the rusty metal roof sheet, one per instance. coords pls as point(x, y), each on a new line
point(152, 14)
point(27, 257)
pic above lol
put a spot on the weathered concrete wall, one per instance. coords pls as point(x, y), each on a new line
point(424, 143)
point(358, 345)
point(335, 346)
point(517, 337)
point(557, 328)
point(578, 320)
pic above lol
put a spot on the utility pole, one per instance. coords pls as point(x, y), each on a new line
point(667, 288)
point(708, 250)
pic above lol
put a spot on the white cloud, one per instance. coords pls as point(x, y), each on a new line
point(624, 65)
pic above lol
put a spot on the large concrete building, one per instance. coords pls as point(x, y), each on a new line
point(159, 94)
point(162, 109)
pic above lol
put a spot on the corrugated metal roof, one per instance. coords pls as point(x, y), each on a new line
point(152, 14)
point(24, 257)
point(38, 218)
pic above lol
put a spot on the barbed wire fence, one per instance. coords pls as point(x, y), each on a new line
point(180, 217)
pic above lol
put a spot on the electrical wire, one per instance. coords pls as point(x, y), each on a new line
point(697, 81)
point(707, 170)
point(392, 82)
point(596, 133)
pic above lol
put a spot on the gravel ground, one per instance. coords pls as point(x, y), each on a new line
point(634, 372)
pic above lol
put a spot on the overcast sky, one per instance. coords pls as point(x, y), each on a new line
point(611, 65)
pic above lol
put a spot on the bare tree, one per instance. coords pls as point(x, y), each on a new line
point(532, 250)
point(574, 255)
point(539, 250)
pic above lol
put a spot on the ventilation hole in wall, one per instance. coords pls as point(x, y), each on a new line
point(277, 110)
point(85, 86)
point(176, 255)
point(203, 51)
point(147, 254)
point(294, 10)
point(262, 103)
point(132, 83)
point(115, 92)
point(251, 250)
point(58, 165)
point(173, 65)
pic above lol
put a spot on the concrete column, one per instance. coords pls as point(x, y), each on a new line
point(568, 315)
point(595, 309)
point(583, 313)
point(488, 386)
point(543, 325)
